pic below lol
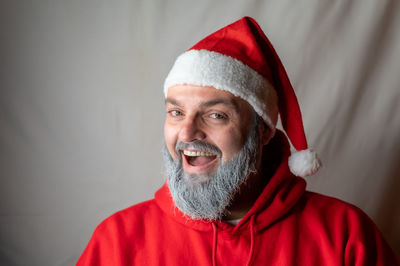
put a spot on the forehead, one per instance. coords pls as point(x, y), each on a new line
point(193, 94)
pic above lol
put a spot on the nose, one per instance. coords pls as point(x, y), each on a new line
point(191, 130)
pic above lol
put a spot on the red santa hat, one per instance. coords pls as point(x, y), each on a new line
point(240, 59)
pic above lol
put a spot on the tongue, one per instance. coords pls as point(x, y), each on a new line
point(200, 160)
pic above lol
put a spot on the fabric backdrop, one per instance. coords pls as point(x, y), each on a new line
point(81, 107)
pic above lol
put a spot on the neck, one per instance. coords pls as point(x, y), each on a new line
point(246, 196)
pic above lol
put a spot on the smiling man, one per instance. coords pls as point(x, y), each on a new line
point(212, 145)
point(234, 193)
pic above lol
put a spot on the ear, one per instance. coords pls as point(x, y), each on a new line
point(265, 132)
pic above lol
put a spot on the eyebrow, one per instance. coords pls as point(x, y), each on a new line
point(207, 103)
point(173, 102)
point(221, 101)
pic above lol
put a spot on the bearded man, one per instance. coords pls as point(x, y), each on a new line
point(234, 195)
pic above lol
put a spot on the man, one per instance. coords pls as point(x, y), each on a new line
point(233, 194)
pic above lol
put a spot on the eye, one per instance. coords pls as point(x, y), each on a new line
point(218, 116)
point(175, 112)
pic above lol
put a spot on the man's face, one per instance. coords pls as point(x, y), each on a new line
point(211, 147)
point(216, 117)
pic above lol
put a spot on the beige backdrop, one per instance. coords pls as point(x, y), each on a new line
point(81, 107)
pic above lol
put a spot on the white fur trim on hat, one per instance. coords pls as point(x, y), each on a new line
point(207, 68)
point(304, 163)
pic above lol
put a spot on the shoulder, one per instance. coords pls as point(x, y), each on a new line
point(117, 236)
point(362, 241)
point(327, 215)
point(335, 213)
point(345, 226)
point(323, 204)
point(131, 218)
point(349, 225)
point(138, 210)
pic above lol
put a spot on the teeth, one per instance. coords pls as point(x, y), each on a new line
point(197, 153)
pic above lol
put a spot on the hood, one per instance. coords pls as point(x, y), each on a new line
point(281, 193)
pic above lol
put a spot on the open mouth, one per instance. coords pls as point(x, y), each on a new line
point(198, 161)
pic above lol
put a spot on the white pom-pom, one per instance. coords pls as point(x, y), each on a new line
point(304, 163)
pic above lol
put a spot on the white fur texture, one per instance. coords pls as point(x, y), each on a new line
point(207, 68)
point(304, 163)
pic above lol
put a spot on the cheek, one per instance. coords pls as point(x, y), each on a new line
point(230, 143)
point(170, 137)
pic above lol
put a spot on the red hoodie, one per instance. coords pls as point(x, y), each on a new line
point(286, 226)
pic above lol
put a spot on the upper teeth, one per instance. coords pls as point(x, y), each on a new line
point(197, 153)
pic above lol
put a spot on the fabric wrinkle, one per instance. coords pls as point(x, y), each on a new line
point(214, 250)
point(252, 240)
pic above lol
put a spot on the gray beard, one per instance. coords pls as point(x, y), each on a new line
point(211, 198)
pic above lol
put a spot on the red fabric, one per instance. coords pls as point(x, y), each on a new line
point(245, 41)
point(286, 226)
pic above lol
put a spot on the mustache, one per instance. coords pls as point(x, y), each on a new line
point(198, 145)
